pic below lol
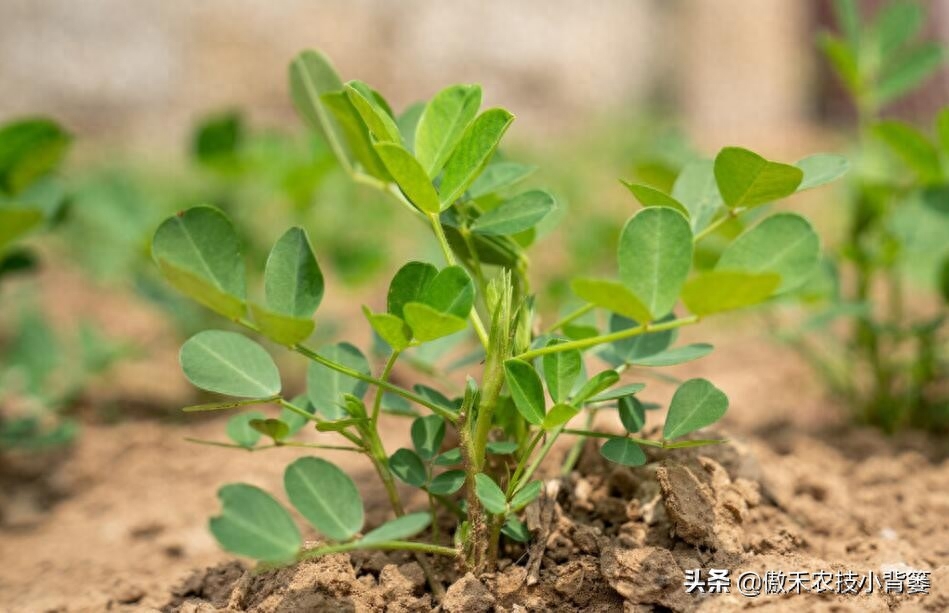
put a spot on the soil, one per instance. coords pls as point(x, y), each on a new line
point(119, 523)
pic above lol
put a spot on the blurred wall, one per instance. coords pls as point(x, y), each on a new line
point(140, 72)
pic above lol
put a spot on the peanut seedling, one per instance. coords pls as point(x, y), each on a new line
point(438, 160)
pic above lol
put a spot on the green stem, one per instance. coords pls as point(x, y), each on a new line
point(384, 376)
point(476, 263)
point(312, 417)
point(715, 225)
point(574, 455)
point(221, 406)
point(585, 343)
point(450, 258)
point(355, 374)
point(433, 510)
point(395, 389)
point(522, 464)
point(590, 433)
point(576, 314)
point(548, 445)
point(273, 445)
point(492, 380)
point(380, 546)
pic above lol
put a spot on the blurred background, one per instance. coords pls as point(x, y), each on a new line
point(140, 74)
point(172, 104)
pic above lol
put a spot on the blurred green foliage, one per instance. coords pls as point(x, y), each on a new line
point(886, 280)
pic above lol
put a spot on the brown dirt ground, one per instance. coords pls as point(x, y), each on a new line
point(120, 524)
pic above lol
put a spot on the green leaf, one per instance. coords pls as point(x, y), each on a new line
point(408, 124)
point(696, 189)
point(527, 391)
point(848, 18)
point(199, 253)
point(616, 393)
point(229, 363)
point(611, 296)
point(356, 135)
point(912, 147)
point(449, 458)
point(410, 176)
point(559, 415)
point(325, 496)
point(696, 404)
point(240, 431)
point(451, 291)
point(490, 494)
point(623, 451)
point(655, 254)
point(293, 281)
point(380, 123)
point(294, 420)
point(435, 397)
point(784, 244)
point(398, 529)
point(472, 154)
point(218, 140)
point(447, 483)
point(595, 385)
point(443, 123)
point(390, 328)
point(908, 71)
point(407, 285)
point(843, 60)
point(526, 495)
point(325, 386)
point(632, 413)
point(397, 405)
point(561, 370)
point(896, 23)
point(354, 407)
point(515, 529)
point(408, 467)
point(16, 223)
point(311, 76)
point(29, 149)
point(725, 290)
point(498, 176)
point(821, 169)
point(283, 329)
point(518, 214)
point(745, 179)
point(273, 428)
point(427, 435)
point(678, 355)
point(253, 524)
point(429, 324)
point(501, 447)
point(629, 350)
point(650, 196)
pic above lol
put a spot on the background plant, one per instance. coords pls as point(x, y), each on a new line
point(438, 161)
point(32, 196)
point(892, 364)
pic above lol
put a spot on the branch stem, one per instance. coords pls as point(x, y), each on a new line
point(593, 341)
point(380, 546)
point(450, 258)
